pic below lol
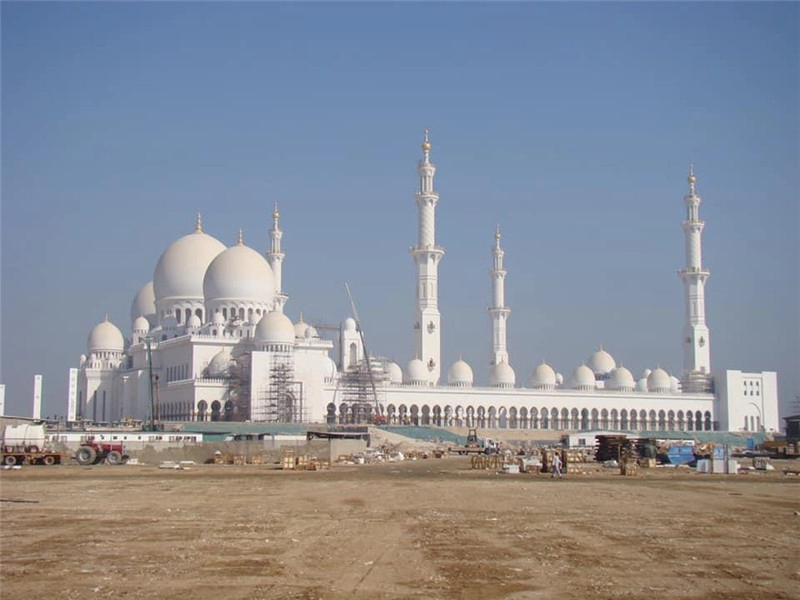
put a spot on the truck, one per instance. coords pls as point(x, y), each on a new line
point(93, 452)
point(475, 445)
point(26, 444)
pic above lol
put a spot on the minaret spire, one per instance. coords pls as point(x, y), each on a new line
point(275, 259)
point(696, 343)
point(498, 311)
point(426, 254)
point(198, 224)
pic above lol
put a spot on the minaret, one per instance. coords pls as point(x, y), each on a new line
point(275, 259)
point(427, 320)
point(498, 311)
point(696, 344)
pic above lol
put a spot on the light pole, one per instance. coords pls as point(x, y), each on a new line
point(147, 341)
point(760, 416)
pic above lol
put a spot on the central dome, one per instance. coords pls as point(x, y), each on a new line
point(180, 270)
point(239, 274)
point(105, 337)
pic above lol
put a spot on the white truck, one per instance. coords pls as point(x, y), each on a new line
point(26, 444)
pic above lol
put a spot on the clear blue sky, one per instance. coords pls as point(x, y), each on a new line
point(569, 124)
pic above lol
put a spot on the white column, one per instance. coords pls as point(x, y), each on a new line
point(37, 396)
point(426, 254)
point(2, 399)
point(696, 341)
point(498, 311)
point(72, 397)
point(275, 259)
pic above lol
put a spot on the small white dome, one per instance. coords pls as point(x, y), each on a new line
point(239, 274)
point(460, 374)
point(194, 322)
point(275, 328)
point(502, 375)
point(218, 318)
point(675, 385)
point(220, 364)
point(544, 377)
point(311, 333)
point(559, 379)
point(181, 268)
point(349, 324)
point(582, 378)
point(416, 373)
point(141, 325)
point(105, 337)
point(300, 328)
point(144, 304)
point(646, 373)
point(395, 373)
point(601, 362)
point(329, 367)
point(170, 322)
point(658, 381)
point(621, 379)
point(641, 385)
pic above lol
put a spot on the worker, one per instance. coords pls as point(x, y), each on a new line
point(556, 466)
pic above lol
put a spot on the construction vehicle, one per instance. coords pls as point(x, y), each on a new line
point(92, 452)
point(475, 445)
point(26, 445)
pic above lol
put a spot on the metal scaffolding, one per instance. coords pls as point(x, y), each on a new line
point(283, 398)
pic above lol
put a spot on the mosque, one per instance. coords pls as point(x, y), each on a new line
point(210, 342)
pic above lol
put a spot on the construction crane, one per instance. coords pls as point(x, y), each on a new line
point(367, 361)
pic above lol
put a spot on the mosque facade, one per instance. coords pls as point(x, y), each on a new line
point(210, 342)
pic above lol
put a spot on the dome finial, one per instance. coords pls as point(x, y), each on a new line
point(198, 224)
point(275, 213)
point(497, 235)
point(240, 241)
point(426, 145)
point(691, 178)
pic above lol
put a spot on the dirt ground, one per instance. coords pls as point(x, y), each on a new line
point(428, 529)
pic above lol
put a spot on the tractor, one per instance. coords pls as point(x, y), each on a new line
point(92, 452)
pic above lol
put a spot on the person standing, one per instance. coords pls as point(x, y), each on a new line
point(555, 468)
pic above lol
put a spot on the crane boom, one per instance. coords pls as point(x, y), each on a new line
point(364, 345)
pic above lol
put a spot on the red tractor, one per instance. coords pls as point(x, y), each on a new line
point(92, 453)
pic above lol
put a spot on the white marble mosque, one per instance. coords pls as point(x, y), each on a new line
point(209, 341)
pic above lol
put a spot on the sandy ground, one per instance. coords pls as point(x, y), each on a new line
point(430, 528)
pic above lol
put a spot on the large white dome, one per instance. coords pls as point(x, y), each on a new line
point(502, 375)
point(621, 379)
point(601, 362)
point(275, 328)
point(544, 377)
point(105, 337)
point(221, 363)
point(144, 304)
point(239, 274)
point(416, 373)
point(582, 378)
point(658, 381)
point(395, 373)
point(460, 374)
point(180, 270)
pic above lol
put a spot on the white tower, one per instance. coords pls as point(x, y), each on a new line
point(275, 259)
point(427, 320)
point(696, 343)
point(498, 311)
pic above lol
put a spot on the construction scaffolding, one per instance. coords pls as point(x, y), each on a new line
point(362, 392)
point(283, 398)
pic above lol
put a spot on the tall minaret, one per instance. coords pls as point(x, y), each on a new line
point(427, 334)
point(498, 311)
point(696, 344)
point(275, 259)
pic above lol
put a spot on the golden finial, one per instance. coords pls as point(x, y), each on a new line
point(497, 233)
point(198, 224)
point(275, 213)
point(426, 145)
point(240, 241)
point(691, 179)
